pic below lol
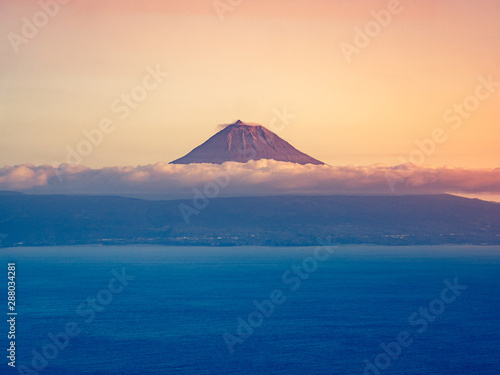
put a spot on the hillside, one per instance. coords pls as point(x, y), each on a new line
point(281, 220)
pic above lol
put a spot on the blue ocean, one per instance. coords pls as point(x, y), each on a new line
point(98, 310)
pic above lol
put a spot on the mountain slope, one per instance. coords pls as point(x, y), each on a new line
point(241, 142)
point(280, 220)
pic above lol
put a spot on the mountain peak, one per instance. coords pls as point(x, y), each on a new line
point(242, 142)
point(241, 123)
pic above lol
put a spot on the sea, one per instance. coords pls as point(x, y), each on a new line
point(109, 310)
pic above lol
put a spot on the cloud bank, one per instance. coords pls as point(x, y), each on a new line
point(262, 177)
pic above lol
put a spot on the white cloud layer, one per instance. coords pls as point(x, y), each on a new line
point(263, 177)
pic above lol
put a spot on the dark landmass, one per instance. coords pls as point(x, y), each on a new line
point(41, 220)
point(9, 192)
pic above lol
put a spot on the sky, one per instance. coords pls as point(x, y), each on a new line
point(349, 82)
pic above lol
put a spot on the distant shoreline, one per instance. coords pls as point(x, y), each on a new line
point(34, 220)
point(340, 246)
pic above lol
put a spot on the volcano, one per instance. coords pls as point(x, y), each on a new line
point(242, 142)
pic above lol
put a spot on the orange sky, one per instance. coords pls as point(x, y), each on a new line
point(263, 57)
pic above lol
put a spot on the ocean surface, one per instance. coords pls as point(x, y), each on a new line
point(199, 310)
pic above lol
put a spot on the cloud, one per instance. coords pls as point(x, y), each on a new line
point(223, 126)
point(263, 177)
